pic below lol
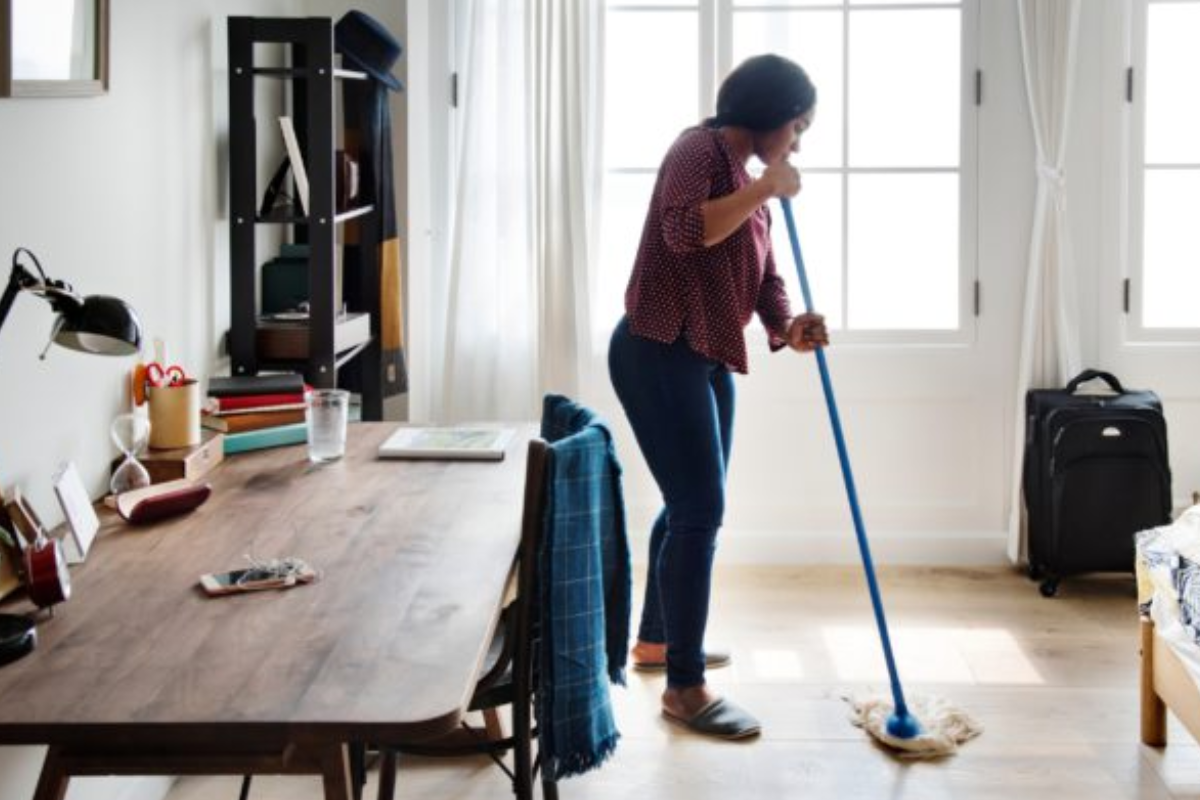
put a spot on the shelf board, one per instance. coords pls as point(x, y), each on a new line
point(345, 357)
point(303, 72)
point(280, 218)
point(280, 72)
point(342, 216)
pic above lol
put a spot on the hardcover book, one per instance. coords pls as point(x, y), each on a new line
point(458, 442)
point(236, 422)
point(277, 436)
point(253, 402)
point(242, 385)
point(299, 173)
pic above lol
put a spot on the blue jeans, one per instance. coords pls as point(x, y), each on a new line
point(680, 406)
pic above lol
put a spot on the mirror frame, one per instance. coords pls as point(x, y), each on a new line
point(67, 88)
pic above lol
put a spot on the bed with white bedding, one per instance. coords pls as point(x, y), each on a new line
point(1168, 572)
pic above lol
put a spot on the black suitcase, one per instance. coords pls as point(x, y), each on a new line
point(1095, 473)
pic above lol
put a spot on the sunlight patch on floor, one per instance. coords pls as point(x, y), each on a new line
point(931, 655)
point(777, 665)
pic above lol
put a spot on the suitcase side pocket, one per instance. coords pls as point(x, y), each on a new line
point(1109, 479)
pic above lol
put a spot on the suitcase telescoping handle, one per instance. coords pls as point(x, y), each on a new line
point(1092, 374)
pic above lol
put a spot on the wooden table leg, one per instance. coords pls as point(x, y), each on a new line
point(387, 773)
point(335, 771)
point(52, 783)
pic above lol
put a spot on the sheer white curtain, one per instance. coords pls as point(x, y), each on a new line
point(1050, 323)
point(511, 311)
point(568, 93)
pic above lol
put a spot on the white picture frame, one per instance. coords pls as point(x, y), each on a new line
point(299, 172)
point(82, 522)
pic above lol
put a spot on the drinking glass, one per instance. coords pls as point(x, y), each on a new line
point(327, 412)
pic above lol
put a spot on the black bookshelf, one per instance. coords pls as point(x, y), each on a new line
point(336, 345)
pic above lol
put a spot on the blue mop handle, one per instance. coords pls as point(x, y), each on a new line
point(847, 476)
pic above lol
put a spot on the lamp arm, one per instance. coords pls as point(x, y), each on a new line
point(17, 281)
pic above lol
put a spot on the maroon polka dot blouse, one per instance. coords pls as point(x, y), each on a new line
point(707, 294)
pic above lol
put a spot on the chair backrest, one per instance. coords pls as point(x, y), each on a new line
point(538, 465)
point(516, 662)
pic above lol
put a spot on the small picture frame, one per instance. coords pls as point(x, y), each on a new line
point(25, 522)
point(82, 522)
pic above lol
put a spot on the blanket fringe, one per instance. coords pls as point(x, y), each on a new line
point(579, 762)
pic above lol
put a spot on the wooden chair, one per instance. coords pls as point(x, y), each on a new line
point(509, 672)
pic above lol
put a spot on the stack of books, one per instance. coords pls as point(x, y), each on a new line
point(256, 411)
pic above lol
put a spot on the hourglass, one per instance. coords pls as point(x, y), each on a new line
point(129, 433)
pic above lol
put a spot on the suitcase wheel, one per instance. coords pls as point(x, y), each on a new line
point(1049, 587)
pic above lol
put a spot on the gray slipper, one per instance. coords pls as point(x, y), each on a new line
point(713, 659)
point(722, 719)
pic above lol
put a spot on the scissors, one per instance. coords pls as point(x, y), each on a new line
point(159, 376)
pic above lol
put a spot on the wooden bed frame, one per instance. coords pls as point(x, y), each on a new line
point(1166, 684)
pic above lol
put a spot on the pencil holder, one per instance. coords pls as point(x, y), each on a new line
point(174, 415)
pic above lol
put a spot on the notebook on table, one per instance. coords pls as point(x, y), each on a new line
point(454, 442)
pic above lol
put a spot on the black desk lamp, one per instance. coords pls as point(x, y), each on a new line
point(92, 324)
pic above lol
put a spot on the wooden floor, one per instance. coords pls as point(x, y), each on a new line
point(1054, 683)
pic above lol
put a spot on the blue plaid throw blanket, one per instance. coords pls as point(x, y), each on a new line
point(585, 592)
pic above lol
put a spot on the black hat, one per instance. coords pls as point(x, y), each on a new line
point(763, 93)
point(367, 44)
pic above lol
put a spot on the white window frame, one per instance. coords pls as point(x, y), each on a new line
point(1133, 278)
point(715, 56)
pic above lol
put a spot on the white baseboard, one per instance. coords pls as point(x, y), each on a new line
point(748, 547)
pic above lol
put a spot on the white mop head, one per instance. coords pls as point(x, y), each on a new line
point(944, 725)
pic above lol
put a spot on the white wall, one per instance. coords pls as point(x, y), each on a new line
point(124, 195)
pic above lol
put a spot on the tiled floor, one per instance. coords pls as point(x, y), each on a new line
point(1054, 683)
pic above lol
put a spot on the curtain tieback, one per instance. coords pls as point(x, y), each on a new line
point(1052, 176)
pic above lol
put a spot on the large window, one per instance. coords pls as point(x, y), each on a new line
point(1165, 262)
point(886, 214)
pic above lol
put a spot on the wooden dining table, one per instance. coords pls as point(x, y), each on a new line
point(141, 673)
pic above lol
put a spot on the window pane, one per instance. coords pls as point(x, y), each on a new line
point(652, 85)
point(1171, 255)
point(903, 251)
point(626, 199)
point(818, 211)
point(1172, 64)
point(814, 41)
point(905, 77)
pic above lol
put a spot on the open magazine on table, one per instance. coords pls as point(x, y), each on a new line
point(454, 442)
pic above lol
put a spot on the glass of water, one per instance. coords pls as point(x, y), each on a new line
point(328, 411)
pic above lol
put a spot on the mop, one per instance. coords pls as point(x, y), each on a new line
point(893, 724)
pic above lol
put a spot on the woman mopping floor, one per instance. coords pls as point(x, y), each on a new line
point(704, 267)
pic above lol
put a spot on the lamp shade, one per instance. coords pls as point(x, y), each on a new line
point(100, 324)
